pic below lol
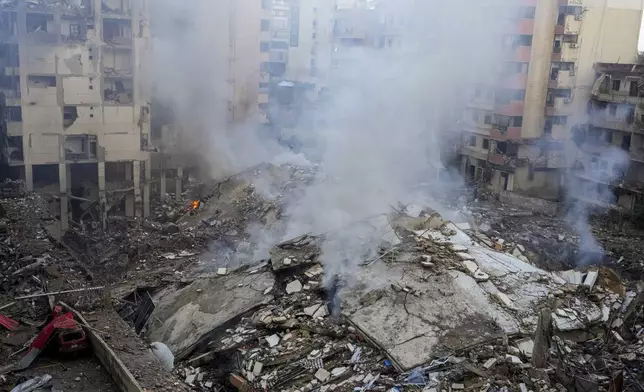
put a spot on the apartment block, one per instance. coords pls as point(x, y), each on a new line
point(516, 128)
point(77, 117)
point(297, 42)
point(608, 166)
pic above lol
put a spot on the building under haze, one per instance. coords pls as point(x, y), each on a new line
point(77, 117)
point(515, 128)
point(608, 151)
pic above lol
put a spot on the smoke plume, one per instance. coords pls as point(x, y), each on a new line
point(392, 104)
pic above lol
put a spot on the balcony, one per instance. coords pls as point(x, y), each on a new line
point(505, 133)
point(562, 79)
point(474, 152)
point(571, 25)
point(618, 124)
point(550, 160)
point(568, 52)
point(505, 162)
point(559, 106)
point(602, 92)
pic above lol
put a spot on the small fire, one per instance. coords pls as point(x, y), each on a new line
point(194, 205)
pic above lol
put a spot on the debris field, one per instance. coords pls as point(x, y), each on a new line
point(190, 299)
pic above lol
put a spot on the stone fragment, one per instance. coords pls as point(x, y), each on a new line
point(294, 287)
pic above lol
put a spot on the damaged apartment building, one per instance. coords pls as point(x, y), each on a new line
point(608, 164)
point(77, 118)
point(517, 130)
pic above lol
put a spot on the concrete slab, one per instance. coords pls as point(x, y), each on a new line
point(448, 312)
point(206, 304)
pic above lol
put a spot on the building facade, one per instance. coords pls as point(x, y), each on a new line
point(515, 128)
point(77, 116)
point(608, 151)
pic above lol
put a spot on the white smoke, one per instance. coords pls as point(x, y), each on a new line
point(383, 131)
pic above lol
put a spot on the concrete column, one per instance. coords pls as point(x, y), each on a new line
point(146, 187)
point(162, 185)
point(29, 178)
point(129, 198)
point(179, 186)
point(102, 194)
point(63, 182)
point(68, 170)
point(138, 201)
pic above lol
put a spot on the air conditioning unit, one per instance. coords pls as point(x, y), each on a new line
point(578, 17)
point(572, 71)
point(567, 100)
point(574, 45)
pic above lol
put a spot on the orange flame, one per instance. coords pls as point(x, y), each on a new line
point(195, 204)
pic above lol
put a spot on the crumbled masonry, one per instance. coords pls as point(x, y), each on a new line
point(445, 306)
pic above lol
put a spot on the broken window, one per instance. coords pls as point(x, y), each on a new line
point(79, 147)
point(473, 141)
point(118, 91)
point(75, 30)
point(571, 38)
point(516, 121)
point(556, 48)
point(13, 113)
point(41, 81)
point(633, 90)
point(616, 85)
point(486, 144)
point(117, 32)
point(488, 119)
point(38, 22)
point(70, 114)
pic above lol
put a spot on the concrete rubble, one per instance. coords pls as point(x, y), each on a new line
point(475, 308)
point(443, 306)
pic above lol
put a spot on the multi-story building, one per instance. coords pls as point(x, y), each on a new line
point(78, 119)
point(608, 151)
point(207, 78)
point(298, 47)
point(514, 127)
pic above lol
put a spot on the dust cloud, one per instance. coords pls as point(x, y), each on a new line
point(384, 129)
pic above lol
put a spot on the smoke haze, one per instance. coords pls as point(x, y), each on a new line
point(384, 129)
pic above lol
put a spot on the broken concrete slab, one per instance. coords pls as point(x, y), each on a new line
point(449, 311)
point(446, 311)
point(294, 287)
point(192, 312)
point(301, 250)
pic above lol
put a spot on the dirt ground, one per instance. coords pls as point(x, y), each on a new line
point(75, 375)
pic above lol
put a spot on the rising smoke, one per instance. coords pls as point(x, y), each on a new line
point(595, 174)
point(384, 128)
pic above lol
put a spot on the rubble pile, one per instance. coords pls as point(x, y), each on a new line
point(436, 311)
point(12, 189)
point(31, 258)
